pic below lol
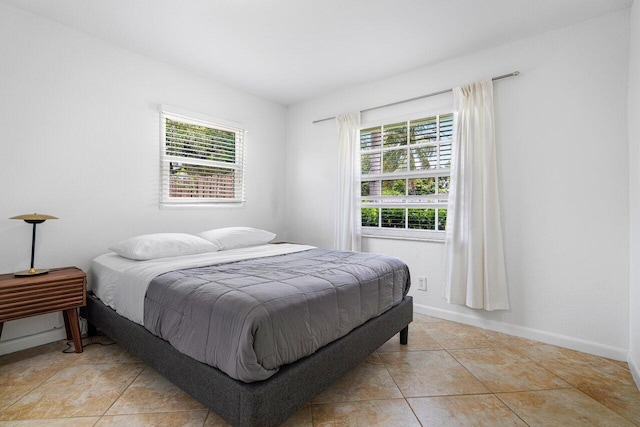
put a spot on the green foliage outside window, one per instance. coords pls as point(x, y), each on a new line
point(418, 218)
point(370, 217)
point(392, 218)
point(422, 219)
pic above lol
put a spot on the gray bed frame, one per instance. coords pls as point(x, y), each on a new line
point(263, 403)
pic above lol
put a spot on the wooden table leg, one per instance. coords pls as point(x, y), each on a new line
point(71, 317)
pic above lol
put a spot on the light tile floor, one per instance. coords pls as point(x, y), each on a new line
point(449, 374)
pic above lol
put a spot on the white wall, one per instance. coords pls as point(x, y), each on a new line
point(634, 192)
point(562, 154)
point(80, 140)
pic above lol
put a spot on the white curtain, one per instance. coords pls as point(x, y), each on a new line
point(474, 262)
point(348, 228)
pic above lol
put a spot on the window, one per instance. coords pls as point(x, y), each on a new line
point(201, 159)
point(405, 177)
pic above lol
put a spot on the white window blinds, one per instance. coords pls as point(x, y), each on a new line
point(405, 176)
point(202, 162)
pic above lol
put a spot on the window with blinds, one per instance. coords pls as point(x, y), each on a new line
point(202, 162)
point(405, 177)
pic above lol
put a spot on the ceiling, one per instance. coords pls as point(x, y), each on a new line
point(292, 50)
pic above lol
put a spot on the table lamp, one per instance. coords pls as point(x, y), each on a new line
point(33, 219)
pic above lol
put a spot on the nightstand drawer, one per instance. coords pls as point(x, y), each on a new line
point(60, 289)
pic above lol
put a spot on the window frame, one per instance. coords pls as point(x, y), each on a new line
point(405, 233)
point(197, 119)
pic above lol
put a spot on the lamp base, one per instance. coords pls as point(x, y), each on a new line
point(31, 272)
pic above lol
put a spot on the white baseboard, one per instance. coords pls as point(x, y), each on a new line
point(529, 333)
point(34, 340)
point(635, 369)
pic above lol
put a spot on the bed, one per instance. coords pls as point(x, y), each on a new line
point(279, 374)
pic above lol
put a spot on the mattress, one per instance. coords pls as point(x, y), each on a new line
point(248, 312)
point(122, 283)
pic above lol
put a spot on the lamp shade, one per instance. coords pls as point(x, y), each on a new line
point(34, 217)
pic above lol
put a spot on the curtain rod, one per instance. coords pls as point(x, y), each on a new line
point(504, 76)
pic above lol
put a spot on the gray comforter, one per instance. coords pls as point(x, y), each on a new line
point(250, 317)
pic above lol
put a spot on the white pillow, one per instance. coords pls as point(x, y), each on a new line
point(161, 245)
point(237, 237)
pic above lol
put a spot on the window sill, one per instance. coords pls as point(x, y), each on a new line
point(420, 236)
point(202, 205)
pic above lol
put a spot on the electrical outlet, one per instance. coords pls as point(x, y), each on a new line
point(422, 283)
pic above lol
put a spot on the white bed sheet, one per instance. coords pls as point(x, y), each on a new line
point(122, 283)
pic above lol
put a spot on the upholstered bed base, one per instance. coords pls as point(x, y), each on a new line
point(263, 403)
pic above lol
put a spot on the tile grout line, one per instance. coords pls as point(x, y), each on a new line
point(125, 389)
point(636, 422)
point(509, 408)
point(57, 371)
point(606, 407)
point(491, 393)
point(551, 372)
point(490, 390)
point(398, 387)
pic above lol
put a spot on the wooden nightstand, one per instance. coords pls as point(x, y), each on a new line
point(62, 289)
